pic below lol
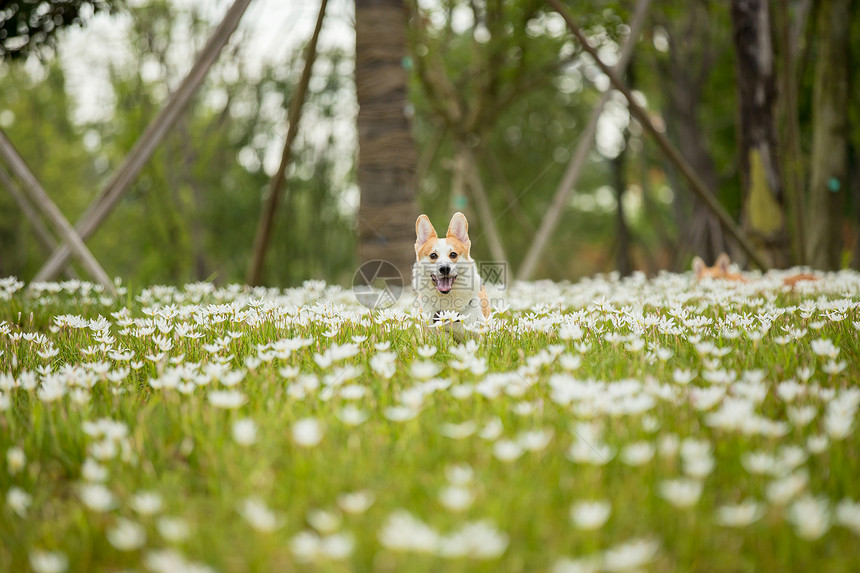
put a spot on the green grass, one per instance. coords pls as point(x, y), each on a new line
point(180, 446)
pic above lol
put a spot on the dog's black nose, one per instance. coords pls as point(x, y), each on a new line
point(445, 270)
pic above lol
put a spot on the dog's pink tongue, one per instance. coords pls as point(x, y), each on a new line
point(444, 284)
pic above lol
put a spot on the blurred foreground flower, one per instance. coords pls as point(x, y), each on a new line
point(307, 432)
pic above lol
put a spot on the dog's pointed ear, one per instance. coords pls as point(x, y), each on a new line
point(424, 231)
point(698, 266)
point(723, 262)
point(459, 228)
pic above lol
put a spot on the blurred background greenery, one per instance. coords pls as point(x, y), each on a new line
point(191, 213)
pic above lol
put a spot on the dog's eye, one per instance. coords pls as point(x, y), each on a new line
point(453, 255)
point(433, 256)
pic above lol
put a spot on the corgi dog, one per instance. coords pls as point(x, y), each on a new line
point(720, 270)
point(444, 276)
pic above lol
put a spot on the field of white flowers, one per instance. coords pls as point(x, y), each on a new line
point(607, 425)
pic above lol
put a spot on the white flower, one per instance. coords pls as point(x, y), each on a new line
point(817, 444)
point(698, 467)
point(19, 500)
point(245, 431)
point(458, 431)
point(783, 490)
point(126, 535)
point(570, 332)
point(93, 471)
point(226, 399)
point(478, 540)
point(630, 556)
point(491, 430)
point(16, 459)
point(146, 502)
point(305, 546)
point(590, 515)
point(801, 416)
point(637, 453)
point(258, 515)
point(681, 492)
point(307, 432)
point(400, 413)
point(824, 347)
point(324, 521)
point(507, 450)
point(352, 416)
point(337, 546)
point(97, 497)
point(594, 453)
point(383, 363)
point(810, 517)
point(403, 532)
point(739, 515)
point(48, 561)
point(426, 351)
point(848, 514)
point(355, 502)
point(424, 370)
point(832, 367)
point(683, 376)
point(585, 565)
point(534, 440)
point(456, 498)
point(838, 424)
point(172, 528)
point(459, 474)
point(170, 561)
point(570, 361)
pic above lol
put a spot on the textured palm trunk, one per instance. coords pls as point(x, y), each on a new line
point(763, 198)
point(828, 186)
point(387, 157)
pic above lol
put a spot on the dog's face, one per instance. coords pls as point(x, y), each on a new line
point(446, 261)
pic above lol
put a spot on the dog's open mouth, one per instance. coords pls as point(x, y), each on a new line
point(443, 283)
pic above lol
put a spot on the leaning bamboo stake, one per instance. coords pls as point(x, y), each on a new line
point(40, 198)
point(276, 184)
point(43, 235)
point(577, 161)
point(143, 149)
point(696, 184)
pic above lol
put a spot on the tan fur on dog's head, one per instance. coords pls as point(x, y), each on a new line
point(720, 270)
point(457, 236)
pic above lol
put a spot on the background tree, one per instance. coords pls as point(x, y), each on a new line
point(760, 173)
point(386, 152)
point(31, 26)
point(828, 186)
point(694, 56)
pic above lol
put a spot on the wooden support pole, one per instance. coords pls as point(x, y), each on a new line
point(276, 184)
point(43, 202)
point(696, 184)
point(143, 149)
point(43, 235)
point(577, 160)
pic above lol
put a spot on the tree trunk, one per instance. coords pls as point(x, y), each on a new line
point(691, 60)
point(387, 157)
point(763, 199)
point(828, 184)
